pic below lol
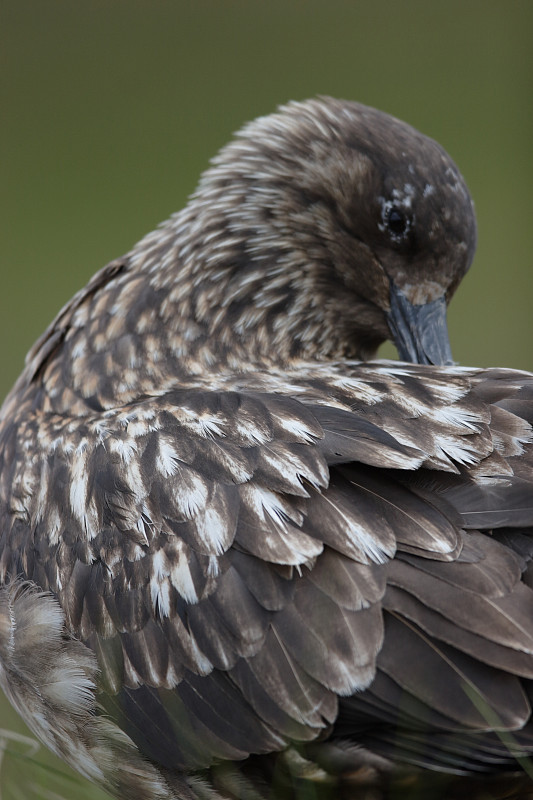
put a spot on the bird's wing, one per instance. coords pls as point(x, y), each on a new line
point(458, 637)
point(458, 644)
point(225, 550)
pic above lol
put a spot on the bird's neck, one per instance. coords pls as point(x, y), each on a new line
point(224, 294)
point(198, 297)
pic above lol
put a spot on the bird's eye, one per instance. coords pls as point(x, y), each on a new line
point(396, 221)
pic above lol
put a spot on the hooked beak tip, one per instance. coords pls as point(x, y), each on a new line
point(419, 332)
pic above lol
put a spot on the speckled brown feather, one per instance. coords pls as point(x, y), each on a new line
point(253, 543)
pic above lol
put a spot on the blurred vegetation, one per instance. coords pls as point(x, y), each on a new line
point(111, 109)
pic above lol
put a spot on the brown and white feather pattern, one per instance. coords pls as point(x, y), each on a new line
point(203, 525)
point(224, 535)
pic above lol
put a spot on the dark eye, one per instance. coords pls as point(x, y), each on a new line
point(396, 221)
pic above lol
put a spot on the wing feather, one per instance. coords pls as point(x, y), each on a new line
point(225, 548)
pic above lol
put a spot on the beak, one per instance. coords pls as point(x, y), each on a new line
point(420, 332)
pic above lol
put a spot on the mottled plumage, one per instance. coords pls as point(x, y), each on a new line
point(234, 553)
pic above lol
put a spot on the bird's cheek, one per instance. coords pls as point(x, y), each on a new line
point(365, 276)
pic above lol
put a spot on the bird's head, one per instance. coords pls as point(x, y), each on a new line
point(328, 227)
point(317, 233)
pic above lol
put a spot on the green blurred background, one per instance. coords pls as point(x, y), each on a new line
point(111, 108)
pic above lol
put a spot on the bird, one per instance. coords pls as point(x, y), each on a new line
point(241, 555)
